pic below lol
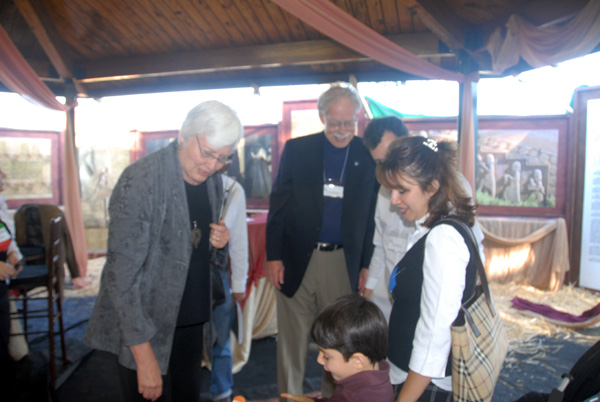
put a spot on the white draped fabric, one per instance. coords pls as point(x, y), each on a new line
point(526, 251)
point(541, 46)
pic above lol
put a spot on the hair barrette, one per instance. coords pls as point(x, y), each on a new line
point(431, 144)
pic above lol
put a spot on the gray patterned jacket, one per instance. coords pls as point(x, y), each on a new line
point(148, 253)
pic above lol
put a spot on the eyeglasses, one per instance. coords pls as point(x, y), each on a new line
point(222, 159)
point(337, 124)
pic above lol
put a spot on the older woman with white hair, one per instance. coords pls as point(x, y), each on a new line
point(165, 244)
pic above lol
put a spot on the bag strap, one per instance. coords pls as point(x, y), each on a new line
point(558, 394)
point(469, 237)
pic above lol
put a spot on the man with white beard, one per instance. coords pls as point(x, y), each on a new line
point(319, 229)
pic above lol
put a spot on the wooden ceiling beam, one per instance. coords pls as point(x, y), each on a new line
point(248, 57)
point(441, 20)
point(217, 81)
point(36, 15)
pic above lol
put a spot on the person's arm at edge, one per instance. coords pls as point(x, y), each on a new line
point(413, 387)
point(278, 201)
point(127, 247)
point(377, 265)
point(299, 398)
point(148, 373)
point(14, 252)
point(125, 268)
point(368, 239)
point(238, 242)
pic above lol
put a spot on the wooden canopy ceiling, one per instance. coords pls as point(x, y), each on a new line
point(117, 47)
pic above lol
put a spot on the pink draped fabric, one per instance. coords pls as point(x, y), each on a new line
point(332, 21)
point(19, 77)
point(72, 205)
point(541, 46)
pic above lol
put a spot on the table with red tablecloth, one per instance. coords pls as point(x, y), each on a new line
point(259, 308)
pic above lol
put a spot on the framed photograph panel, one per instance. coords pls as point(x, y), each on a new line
point(31, 160)
point(521, 162)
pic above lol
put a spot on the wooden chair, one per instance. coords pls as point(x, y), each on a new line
point(30, 235)
point(44, 282)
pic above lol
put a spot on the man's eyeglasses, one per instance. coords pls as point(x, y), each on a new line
point(337, 124)
point(210, 155)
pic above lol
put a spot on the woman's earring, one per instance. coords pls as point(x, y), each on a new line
point(179, 146)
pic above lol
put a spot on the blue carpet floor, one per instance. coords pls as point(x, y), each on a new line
point(88, 376)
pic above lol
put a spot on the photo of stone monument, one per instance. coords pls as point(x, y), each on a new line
point(517, 167)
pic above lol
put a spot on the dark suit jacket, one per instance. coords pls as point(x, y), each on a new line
point(296, 208)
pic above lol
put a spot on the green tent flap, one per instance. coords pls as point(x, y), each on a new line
point(379, 110)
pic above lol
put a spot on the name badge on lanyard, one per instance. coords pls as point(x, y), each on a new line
point(333, 189)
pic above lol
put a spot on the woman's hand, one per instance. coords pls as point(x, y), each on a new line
point(148, 372)
point(219, 234)
point(413, 387)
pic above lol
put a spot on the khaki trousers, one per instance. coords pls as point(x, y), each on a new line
point(325, 280)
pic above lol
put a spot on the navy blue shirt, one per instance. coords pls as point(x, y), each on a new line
point(335, 160)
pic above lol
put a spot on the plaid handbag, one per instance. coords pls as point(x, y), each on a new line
point(479, 344)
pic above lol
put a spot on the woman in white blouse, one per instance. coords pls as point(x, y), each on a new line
point(428, 283)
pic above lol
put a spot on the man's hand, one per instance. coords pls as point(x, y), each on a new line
point(148, 372)
point(297, 398)
point(275, 273)
point(362, 280)
point(367, 293)
point(238, 297)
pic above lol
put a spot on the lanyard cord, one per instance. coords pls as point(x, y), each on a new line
point(343, 167)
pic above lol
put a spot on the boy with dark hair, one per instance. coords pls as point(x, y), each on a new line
point(351, 334)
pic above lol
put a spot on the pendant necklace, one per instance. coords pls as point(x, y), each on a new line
point(196, 235)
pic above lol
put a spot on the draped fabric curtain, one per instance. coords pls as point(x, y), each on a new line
point(528, 251)
point(541, 46)
point(334, 22)
point(20, 78)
